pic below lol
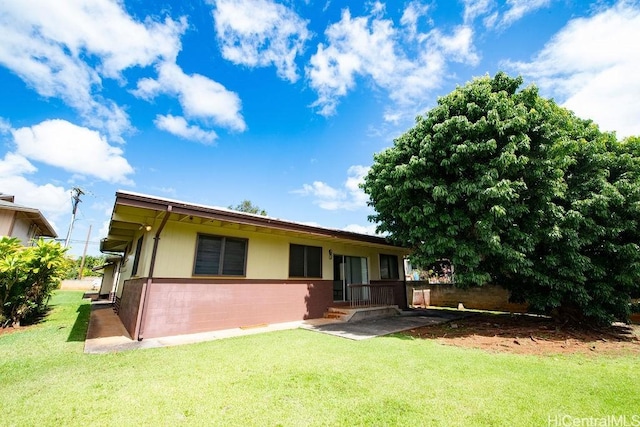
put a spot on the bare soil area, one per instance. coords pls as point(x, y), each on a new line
point(524, 334)
point(12, 329)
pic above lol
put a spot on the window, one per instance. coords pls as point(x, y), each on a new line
point(220, 256)
point(136, 258)
point(305, 261)
point(389, 267)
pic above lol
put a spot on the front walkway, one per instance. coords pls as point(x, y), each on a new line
point(107, 334)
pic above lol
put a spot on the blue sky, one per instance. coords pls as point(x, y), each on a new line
point(283, 102)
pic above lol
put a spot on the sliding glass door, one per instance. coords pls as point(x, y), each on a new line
point(346, 271)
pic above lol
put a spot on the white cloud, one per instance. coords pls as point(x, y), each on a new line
point(356, 46)
point(377, 8)
point(179, 127)
point(355, 177)
point(106, 209)
point(519, 8)
point(15, 164)
point(73, 148)
point(51, 199)
point(5, 126)
point(490, 20)
point(591, 67)
point(349, 197)
point(414, 11)
point(369, 47)
point(513, 11)
point(64, 49)
point(259, 33)
point(458, 46)
point(476, 8)
point(103, 232)
point(362, 229)
point(199, 96)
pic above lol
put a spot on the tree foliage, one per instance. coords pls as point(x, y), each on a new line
point(248, 207)
point(515, 190)
point(90, 262)
point(28, 276)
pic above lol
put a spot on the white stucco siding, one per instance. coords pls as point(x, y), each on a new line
point(21, 229)
point(6, 222)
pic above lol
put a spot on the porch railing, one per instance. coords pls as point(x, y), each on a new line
point(368, 295)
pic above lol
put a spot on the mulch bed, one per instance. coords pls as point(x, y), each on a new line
point(524, 334)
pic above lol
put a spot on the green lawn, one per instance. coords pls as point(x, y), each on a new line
point(297, 378)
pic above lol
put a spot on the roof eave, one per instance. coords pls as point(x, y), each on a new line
point(152, 203)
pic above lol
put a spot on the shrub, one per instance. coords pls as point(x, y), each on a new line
point(28, 276)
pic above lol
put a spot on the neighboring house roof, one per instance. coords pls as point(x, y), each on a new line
point(34, 215)
point(132, 211)
point(108, 261)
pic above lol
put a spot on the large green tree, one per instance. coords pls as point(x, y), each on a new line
point(517, 191)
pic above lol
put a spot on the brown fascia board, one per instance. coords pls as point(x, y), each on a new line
point(158, 204)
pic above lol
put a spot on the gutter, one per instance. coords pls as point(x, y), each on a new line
point(145, 286)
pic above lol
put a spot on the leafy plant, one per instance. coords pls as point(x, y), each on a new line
point(28, 276)
point(73, 266)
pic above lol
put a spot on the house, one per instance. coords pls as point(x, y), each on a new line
point(187, 268)
point(110, 269)
point(22, 222)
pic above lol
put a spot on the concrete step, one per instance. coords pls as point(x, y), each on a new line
point(337, 314)
point(333, 316)
point(358, 313)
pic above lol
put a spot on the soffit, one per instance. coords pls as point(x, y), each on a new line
point(36, 217)
point(133, 212)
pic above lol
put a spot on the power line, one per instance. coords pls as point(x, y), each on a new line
point(91, 242)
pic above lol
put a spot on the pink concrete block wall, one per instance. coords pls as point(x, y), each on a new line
point(183, 308)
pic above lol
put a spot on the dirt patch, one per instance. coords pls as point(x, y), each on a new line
point(523, 334)
point(14, 329)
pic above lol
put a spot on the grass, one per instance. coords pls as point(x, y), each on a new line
point(296, 378)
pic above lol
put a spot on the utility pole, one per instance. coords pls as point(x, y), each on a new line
point(75, 199)
point(84, 254)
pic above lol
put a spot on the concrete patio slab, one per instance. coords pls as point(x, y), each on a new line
point(370, 328)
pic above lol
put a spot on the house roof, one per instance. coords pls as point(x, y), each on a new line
point(133, 211)
point(34, 215)
point(111, 260)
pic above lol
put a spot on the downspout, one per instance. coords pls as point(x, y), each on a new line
point(404, 281)
point(116, 279)
point(145, 286)
point(406, 301)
